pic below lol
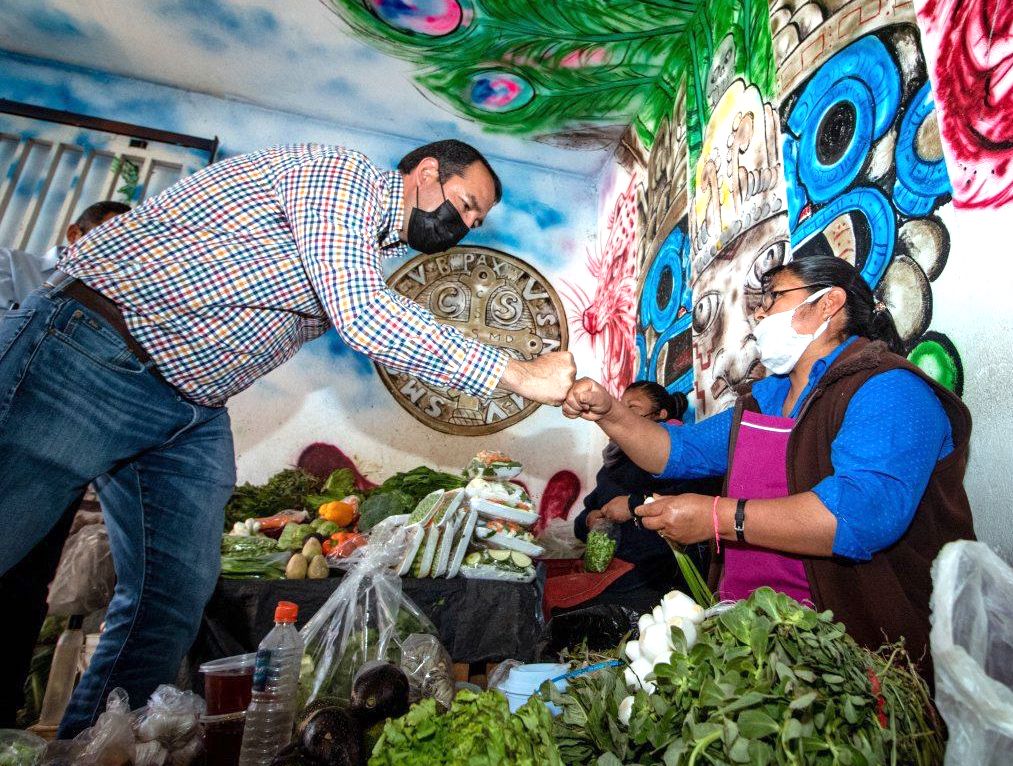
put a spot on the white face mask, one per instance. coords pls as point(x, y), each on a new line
point(780, 344)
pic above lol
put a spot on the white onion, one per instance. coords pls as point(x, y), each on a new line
point(633, 650)
point(655, 641)
point(625, 709)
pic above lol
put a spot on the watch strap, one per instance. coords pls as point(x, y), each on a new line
point(740, 521)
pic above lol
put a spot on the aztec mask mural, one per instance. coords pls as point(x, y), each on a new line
point(863, 160)
point(755, 135)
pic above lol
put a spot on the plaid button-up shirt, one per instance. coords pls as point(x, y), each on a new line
point(223, 276)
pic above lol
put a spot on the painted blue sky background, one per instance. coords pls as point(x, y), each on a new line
point(295, 56)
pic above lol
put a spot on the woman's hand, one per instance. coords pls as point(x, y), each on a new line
point(680, 518)
point(618, 509)
point(587, 399)
point(594, 518)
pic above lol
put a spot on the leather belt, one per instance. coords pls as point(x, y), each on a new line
point(96, 302)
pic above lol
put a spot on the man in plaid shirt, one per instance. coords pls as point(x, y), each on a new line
point(119, 370)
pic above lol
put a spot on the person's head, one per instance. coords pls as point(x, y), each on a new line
point(450, 172)
point(844, 301)
point(93, 217)
point(653, 401)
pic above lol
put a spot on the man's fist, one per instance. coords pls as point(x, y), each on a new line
point(544, 379)
point(587, 399)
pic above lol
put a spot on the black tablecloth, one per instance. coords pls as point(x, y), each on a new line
point(477, 620)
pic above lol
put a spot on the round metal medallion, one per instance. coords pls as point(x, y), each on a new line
point(492, 297)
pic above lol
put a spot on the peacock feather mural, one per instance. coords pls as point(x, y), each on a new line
point(532, 67)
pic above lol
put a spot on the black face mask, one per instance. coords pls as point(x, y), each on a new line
point(432, 231)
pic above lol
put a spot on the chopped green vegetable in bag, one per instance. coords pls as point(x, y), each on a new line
point(601, 547)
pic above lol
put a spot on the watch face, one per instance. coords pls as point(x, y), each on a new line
point(495, 298)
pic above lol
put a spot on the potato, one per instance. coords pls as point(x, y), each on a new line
point(318, 569)
point(312, 548)
point(297, 567)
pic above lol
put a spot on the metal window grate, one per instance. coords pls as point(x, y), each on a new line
point(56, 164)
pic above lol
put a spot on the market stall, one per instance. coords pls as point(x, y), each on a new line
point(477, 621)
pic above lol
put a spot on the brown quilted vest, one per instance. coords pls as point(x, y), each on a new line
point(887, 597)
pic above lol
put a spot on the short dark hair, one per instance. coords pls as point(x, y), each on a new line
point(94, 215)
point(866, 316)
point(454, 157)
point(675, 404)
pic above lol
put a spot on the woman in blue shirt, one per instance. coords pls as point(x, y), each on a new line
point(826, 460)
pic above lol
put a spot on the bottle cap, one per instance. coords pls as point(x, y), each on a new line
point(286, 611)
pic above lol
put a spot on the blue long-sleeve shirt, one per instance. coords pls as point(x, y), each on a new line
point(894, 432)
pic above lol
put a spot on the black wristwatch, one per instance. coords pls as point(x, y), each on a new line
point(635, 501)
point(740, 521)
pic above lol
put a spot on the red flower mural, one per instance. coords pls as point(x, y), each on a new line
point(974, 94)
point(609, 317)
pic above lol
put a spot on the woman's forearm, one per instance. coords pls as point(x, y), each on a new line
point(798, 524)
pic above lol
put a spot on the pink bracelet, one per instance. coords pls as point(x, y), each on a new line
point(714, 515)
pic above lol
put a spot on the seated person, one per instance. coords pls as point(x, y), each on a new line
point(621, 486)
point(844, 467)
point(22, 272)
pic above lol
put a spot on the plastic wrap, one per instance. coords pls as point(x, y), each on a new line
point(20, 748)
point(166, 732)
point(366, 618)
point(171, 718)
point(429, 668)
point(972, 649)
point(85, 579)
point(110, 742)
point(559, 541)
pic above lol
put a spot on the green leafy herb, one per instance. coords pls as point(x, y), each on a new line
point(478, 730)
point(419, 482)
point(767, 682)
point(256, 558)
point(287, 489)
point(380, 506)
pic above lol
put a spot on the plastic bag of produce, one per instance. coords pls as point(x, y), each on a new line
point(366, 618)
point(601, 547)
point(20, 748)
point(972, 648)
point(85, 579)
point(172, 718)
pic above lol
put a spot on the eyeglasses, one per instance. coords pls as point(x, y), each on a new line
point(771, 297)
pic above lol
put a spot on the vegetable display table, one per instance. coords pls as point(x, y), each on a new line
point(478, 621)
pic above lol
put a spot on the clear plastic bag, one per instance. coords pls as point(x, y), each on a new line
point(20, 748)
point(972, 649)
point(110, 742)
point(429, 668)
point(171, 718)
point(366, 618)
point(559, 541)
point(85, 579)
point(166, 732)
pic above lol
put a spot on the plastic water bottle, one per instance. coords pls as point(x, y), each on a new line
point(62, 673)
point(271, 713)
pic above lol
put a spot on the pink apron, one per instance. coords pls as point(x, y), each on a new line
point(759, 471)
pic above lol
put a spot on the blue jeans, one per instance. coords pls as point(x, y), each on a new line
point(77, 405)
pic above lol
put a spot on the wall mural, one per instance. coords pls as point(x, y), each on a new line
point(492, 297)
point(974, 89)
point(608, 318)
point(864, 165)
point(860, 175)
point(535, 68)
